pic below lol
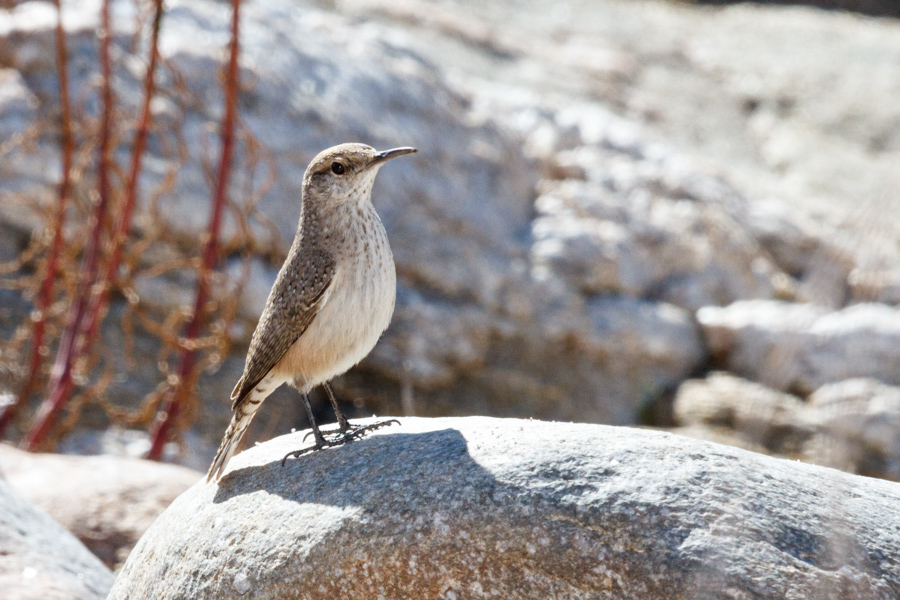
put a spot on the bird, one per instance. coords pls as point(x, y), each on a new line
point(332, 299)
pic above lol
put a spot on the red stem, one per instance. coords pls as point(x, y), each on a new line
point(123, 224)
point(71, 346)
point(46, 294)
point(167, 416)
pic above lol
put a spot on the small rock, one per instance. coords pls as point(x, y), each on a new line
point(859, 423)
point(762, 416)
point(801, 347)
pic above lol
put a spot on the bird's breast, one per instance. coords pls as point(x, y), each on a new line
point(358, 310)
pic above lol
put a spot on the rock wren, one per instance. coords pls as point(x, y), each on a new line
point(332, 300)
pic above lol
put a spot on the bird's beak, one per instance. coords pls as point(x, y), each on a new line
point(386, 155)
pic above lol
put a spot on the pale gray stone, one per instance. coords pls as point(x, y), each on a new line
point(766, 418)
point(859, 427)
point(799, 347)
point(852, 425)
point(39, 560)
point(107, 502)
point(479, 507)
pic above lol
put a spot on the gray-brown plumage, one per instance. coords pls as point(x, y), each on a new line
point(333, 297)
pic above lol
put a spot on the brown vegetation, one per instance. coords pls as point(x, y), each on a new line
point(95, 238)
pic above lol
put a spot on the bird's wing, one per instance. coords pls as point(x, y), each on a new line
point(300, 291)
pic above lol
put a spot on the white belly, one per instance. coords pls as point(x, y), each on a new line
point(358, 310)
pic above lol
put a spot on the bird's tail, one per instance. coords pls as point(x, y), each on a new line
point(239, 423)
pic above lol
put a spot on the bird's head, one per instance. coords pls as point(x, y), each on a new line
point(345, 173)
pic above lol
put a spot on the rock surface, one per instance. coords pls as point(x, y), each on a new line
point(107, 502)
point(39, 560)
point(640, 224)
point(480, 507)
point(767, 97)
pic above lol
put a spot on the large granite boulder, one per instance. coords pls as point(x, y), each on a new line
point(39, 560)
point(480, 507)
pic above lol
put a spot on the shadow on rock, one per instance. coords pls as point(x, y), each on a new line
point(354, 474)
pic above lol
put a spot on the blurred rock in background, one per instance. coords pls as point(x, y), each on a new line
point(41, 560)
point(106, 501)
point(610, 198)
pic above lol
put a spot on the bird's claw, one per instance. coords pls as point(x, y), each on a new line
point(301, 452)
point(325, 432)
point(354, 432)
point(360, 430)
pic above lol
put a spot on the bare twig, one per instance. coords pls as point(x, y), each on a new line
point(186, 373)
point(123, 224)
point(46, 294)
point(72, 345)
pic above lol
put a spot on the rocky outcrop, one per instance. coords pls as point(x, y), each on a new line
point(39, 560)
point(474, 311)
point(479, 507)
point(107, 502)
point(580, 193)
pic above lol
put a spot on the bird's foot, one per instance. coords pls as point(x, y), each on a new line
point(353, 432)
point(320, 445)
point(327, 432)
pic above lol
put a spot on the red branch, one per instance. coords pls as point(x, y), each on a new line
point(123, 224)
point(61, 383)
point(166, 417)
point(46, 294)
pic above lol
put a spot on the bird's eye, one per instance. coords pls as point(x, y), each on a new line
point(337, 168)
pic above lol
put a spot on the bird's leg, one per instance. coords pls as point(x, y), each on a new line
point(343, 424)
point(321, 442)
point(348, 432)
point(320, 439)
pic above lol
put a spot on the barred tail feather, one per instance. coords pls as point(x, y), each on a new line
point(239, 424)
